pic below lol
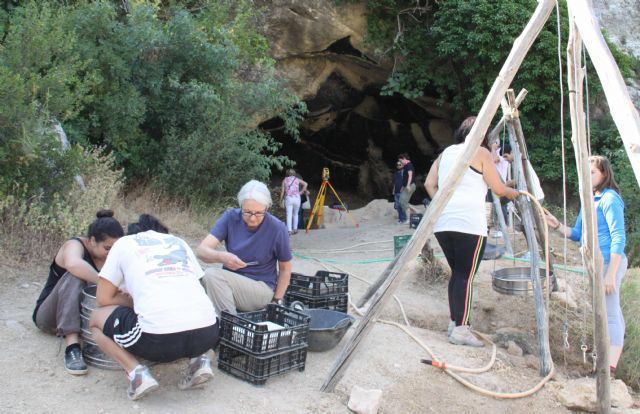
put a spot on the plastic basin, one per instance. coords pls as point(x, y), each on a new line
point(326, 328)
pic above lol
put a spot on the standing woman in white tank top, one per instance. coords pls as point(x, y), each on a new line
point(461, 229)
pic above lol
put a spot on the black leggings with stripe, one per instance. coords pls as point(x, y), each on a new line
point(463, 252)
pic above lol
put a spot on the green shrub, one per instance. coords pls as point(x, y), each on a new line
point(33, 224)
point(629, 365)
point(156, 84)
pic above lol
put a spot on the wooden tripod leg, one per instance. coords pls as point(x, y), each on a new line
point(317, 207)
point(321, 196)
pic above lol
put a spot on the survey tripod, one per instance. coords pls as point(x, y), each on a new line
point(318, 205)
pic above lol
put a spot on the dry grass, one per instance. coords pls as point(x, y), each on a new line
point(629, 366)
point(579, 325)
point(182, 220)
point(575, 324)
point(33, 228)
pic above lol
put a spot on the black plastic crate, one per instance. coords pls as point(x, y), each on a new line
point(257, 369)
point(323, 283)
point(414, 220)
point(337, 302)
point(250, 330)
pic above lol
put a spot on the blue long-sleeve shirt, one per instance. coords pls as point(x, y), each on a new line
point(610, 219)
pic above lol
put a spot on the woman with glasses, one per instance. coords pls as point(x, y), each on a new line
point(256, 266)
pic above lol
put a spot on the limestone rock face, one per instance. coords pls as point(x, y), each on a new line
point(621, 18)
point(311, 39)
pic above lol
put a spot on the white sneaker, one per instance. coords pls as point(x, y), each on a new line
point(198, 373)
point(461, 335)
point(142, 383)
point(452, 324)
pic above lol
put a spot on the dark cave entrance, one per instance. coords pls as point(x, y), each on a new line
point(358, 135)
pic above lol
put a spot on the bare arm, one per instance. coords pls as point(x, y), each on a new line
point(282, 192)
point(304, 185)
point(431, 182)
point(284, 276)
point(610, 277)
point(555, 224)
point(409, 178)
point(490, 174)
point(108, 294)
point(208, 253)
point(70, 258)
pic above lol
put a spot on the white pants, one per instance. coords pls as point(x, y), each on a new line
point(292, 204)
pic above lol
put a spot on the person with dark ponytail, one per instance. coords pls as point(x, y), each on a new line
point(75, 266)
point(165, 313)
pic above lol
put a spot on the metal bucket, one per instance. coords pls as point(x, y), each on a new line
point(516, 280)
point(493, 251)
point(93, 355)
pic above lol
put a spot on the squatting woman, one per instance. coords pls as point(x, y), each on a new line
point(75, 265)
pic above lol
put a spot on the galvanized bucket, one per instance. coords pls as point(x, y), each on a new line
point(516, 280)
point(93, 355)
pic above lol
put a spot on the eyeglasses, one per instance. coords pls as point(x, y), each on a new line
point(257, 214)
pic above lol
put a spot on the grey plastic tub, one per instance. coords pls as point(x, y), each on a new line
point(326, 328)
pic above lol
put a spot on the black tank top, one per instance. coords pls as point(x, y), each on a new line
point(55, 273)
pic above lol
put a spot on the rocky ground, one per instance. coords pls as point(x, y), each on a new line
point(387, 359)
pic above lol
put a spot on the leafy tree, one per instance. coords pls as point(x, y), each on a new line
point(173, 89)
point(454, 49)
point(39, 84)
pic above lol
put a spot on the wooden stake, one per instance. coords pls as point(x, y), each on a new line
point(521, 46)
point(503, 224)
point(590, 250)
point(498, 128)
point(524, 181)
point(623, 112)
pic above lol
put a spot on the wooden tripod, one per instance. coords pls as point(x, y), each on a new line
point(318, 205)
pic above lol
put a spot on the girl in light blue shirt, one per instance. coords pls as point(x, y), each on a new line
point(611, 239)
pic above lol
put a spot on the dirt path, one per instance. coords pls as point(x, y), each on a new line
point(35, 380)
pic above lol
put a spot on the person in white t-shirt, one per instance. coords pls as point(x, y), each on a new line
point(151, 305)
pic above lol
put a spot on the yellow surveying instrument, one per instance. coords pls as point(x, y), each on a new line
point(318, 205)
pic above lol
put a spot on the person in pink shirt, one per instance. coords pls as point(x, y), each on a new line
point(292, 186)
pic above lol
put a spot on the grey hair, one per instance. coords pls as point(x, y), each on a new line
point(256, 191)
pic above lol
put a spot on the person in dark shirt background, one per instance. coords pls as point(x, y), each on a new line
point(397, 190)
point(408, 184)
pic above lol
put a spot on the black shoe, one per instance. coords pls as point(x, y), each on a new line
point(73, 361)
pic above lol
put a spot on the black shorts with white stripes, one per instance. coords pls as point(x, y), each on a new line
point(122, 326)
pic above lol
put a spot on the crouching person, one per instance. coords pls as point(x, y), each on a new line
point(165, 314)
point(256, 268)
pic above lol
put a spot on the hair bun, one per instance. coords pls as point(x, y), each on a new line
point(104, 213)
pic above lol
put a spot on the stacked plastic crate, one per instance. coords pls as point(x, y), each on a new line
point(414, 220)
point(257, 345)
point(325, 290)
